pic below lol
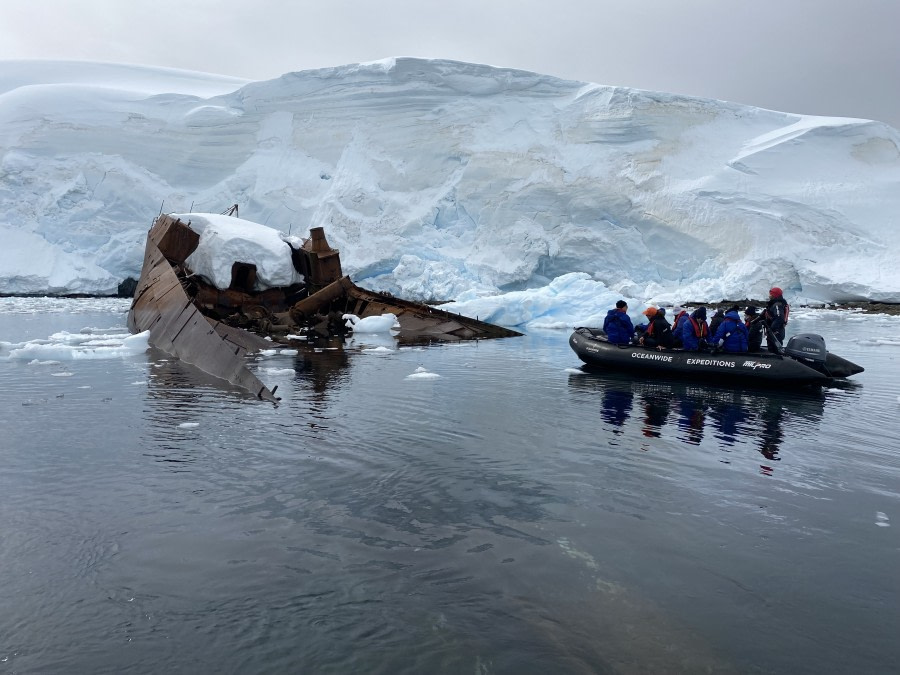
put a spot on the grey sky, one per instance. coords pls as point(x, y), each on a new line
point(824, 57)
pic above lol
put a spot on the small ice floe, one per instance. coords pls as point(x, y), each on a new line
point(62, 373)
point(279, 371)
point(378, 350)
point(422, 374)
point(277, 352)
point(90, 343)
point(188, 425)
point(881, 519)
point(295, 337)
point(574, 371)
point(371, 324)
point(38, 362)
point(85, 386)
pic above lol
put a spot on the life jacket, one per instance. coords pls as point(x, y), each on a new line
point(701, 330)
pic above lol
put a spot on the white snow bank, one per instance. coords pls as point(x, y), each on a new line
point(225, 240)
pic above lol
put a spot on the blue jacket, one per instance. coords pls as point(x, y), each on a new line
point(688, 328)
point(736, 332)
point(618, 327)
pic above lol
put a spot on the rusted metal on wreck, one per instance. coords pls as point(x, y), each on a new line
point(176, 325)
point(214, 329)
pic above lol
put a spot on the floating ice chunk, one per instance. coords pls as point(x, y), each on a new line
point(280, 371)
point(881, 519)
point(371, 324)
point(574, 371)
point(378, 350)
point(188, 425)
point(422, 374)
point(64, 346)
point(63, 373)
point(138, 343)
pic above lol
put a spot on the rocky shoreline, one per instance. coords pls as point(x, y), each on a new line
point(866, 307)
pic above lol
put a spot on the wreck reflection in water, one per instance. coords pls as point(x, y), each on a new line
point(727, 416)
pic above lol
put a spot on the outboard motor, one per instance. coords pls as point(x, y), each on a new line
point(807, 347)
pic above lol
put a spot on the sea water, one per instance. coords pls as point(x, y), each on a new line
point(481, 507)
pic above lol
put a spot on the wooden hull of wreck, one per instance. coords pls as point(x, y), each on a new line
point(176, 326)
point(418, 321)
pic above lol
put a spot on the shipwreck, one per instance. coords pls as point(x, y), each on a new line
point(213, 292)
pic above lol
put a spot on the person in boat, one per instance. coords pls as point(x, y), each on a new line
point(641, 328)
point(731, 335)
point(679, 315)
point(755, 330)
point(717, 318)
point(775, 317)
point(617, 324)
point(659, 332)
point(694, 330)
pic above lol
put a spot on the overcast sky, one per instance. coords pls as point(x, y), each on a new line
point(824, 57)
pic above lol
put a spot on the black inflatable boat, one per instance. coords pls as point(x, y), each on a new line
point(803, 361)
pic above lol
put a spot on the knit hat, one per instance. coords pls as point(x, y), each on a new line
point(661, 311)
point(677, 309)
point(650, 312)
point(750, 311)
point(699, 313)
point(775, 291)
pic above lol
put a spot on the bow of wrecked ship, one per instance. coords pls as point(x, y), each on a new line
point(212, 292)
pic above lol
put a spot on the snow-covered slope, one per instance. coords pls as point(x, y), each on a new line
point(438, 179)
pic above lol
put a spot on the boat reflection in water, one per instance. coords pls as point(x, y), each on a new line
point(726, 416)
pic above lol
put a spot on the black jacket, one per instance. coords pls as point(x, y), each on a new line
point(776, 314)
point(659, 333)
point(717, 318)
point(755, 334)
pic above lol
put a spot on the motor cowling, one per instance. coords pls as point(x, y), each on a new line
point(807, 347)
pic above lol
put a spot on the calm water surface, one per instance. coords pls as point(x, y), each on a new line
point(509, 514)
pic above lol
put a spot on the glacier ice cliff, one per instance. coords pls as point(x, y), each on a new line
point(440, 179)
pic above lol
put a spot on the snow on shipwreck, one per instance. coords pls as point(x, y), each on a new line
point(215, 287)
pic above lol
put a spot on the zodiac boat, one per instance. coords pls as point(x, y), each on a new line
point(803, 361)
